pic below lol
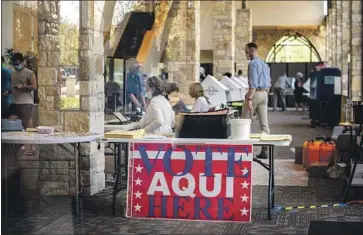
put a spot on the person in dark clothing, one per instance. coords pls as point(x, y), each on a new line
point(175, 98)
point(229, 75)
point(298, 92)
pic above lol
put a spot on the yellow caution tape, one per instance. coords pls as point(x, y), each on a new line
point(311, 207)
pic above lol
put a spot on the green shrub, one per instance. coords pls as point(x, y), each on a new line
point(69, 103)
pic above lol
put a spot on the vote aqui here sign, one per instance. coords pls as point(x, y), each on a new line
point(190, 182)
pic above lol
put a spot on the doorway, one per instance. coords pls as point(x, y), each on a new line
point(291, 54)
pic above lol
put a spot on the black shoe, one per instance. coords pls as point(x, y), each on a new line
point(262, 155)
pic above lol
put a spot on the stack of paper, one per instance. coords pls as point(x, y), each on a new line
point(125, 134)
point(255, 136)
point(275, 137)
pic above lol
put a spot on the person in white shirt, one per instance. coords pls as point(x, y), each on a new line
point(159, 116)
point(201, 104)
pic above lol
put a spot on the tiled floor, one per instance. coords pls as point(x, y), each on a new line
point(53, 215)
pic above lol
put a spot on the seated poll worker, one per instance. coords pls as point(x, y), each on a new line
point(175, 98)
point(201, 104)
point(159, 116)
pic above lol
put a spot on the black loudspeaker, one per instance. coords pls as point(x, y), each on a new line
point(209, 125)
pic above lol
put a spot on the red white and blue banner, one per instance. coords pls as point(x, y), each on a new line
point(192, 182)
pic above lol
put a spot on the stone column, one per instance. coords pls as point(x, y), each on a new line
point(345, 42)
point(356, 50)
point(90, 117)
point(243, 35)
point(334, 33)
point(49, 63)
point(223, 37)
point(144, 6)
point(183, 49)
point(338, 33)
point(329, 37)
point(57, 162)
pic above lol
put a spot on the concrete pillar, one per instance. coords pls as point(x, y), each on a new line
point(183, 50)
point(356, 50)
point(243, 35)
point(223, 37)
point(345, 42)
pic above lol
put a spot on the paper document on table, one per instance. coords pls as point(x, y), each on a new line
point(125, 134)
point(255, 136)
point(275, 137)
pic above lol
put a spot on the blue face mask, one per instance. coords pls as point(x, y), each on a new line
point(18, 67)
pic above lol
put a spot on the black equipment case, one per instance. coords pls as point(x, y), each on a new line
point(325, 96)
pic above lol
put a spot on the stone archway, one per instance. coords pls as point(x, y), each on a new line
point(266, 37)
point(293, 48)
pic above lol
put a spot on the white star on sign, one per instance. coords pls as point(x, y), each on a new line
point(138, 181)
point(245, 185)
point(138, 207)
point(138, 194)
point(244, 171)
point(244, 198)
point(139, 168)
point(244, 211)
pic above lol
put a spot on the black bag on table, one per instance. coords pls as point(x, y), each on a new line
point(208, 125)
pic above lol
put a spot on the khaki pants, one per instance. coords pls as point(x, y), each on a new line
point(260, 103)
point(279, 93)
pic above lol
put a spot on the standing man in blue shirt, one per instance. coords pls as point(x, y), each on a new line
point(6, 96)
point(134, 88)
point(259, 83)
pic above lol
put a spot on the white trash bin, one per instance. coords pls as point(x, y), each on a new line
point(240, 129)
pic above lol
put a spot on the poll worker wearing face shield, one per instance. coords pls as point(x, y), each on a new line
point(259, 83)
point(24, 84)
point(134, 88)
point(159, 116)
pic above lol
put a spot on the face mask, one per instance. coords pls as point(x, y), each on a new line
point(18, 67)
point(149, 95)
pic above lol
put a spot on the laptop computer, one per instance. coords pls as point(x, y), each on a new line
point(122, 120)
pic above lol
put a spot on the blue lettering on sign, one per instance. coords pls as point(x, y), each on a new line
point(152, 206)
point(231, 161)
point(198, 209)
point(209, 160)
point(222, 209)
point(145, 158)
point(176, 208)
point(188, 162)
